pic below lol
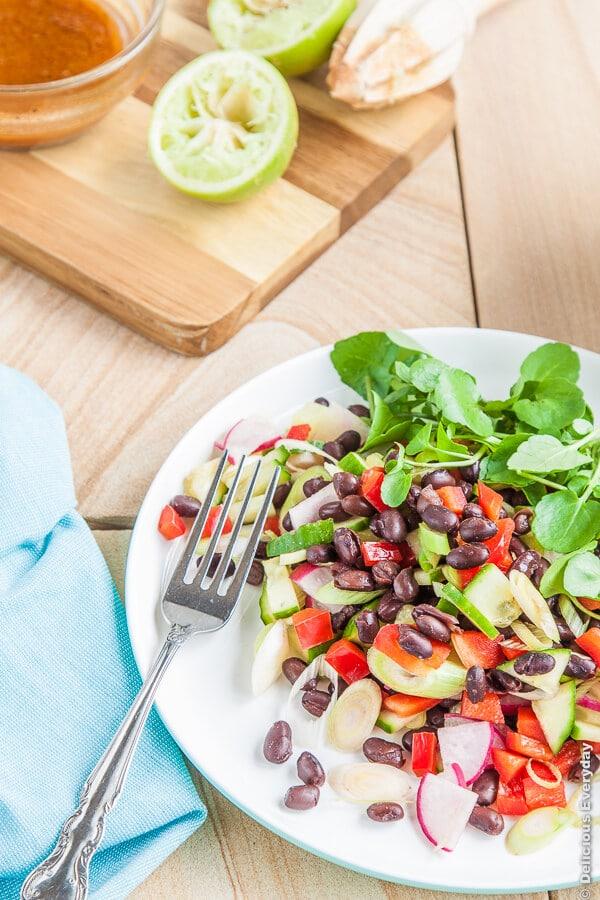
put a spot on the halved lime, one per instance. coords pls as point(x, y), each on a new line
point(295, 35)
point(224, 126)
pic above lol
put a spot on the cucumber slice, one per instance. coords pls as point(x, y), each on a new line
point(557, 715)
point(352, 463)
point(296, 495)
point(464, 605)
point(197, 483)
point(307, 655)
point(330, 595)
point(351, 631)
point(278, 599)
point(587, 725)
point(292, 559)
point(320, 532)
point(357, 524)
point(252, 510)
point(447, 681)
point(434, 542)
point(405, 615)
point(550, 682)
point(490, 592)
point(391, 723)
point(451, 575)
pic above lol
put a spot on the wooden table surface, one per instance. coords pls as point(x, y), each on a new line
point(499, 228)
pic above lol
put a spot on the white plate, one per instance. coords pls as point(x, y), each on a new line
point(206, 702)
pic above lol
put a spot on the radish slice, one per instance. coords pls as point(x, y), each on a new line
point(510, 704)
point(328, 422)
point(272, 649)
point(451, 719)
point(308, 510)
point(443, 810)
point(368, 783)
point(310, 578)
point(248, 436)
point(468, 745)
point(589, 703)
point(455, 774)
point(354, 715)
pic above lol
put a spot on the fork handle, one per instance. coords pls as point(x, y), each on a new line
point(63, 875)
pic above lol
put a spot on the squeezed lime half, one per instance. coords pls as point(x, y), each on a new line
point(295, 35)
point(224, 126)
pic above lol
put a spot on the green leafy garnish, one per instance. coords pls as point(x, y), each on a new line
point(457, 396)
point(582, 575)
point(551, 361)
point(564, 522)
point(544, 453)
point(395, 486)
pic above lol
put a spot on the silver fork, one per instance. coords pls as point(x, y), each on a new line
point(192, 603)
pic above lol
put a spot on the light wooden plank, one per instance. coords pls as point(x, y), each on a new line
point(529, 134)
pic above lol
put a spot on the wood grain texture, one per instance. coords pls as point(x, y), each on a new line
point(529, 139)
point(92, 214)
point(232, 856)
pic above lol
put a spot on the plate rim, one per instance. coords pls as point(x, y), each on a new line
point(135, 535)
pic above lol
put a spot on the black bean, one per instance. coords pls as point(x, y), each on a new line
point(338, 567)
point(514, 496)
point(367, 626)
point(502, 514)
point(310, 770)
point(322, 401)
point(487, 820)
point(346, 484)
point(313, 485)
point(359, 410)
point(315, 702)
point(414, 492)
point(390, 525)
point(504, 681)
point(355, 580)
point(476, 684)
point(320, 553)
point(526, 562)
point(523, 521)
point(341, 617)
point(540, 571)
point(281, 495)
point(355, 505)
point(335, 449)
point(261, 550)
point(439, 518)
point(350, 440)
point(576, 771)
point(389, 607)
point(385, 812)
point(414, 643)
point(564, 632)
point(385, 571)
point(425, 609)
point(477, 529)
point(516, 546)
point(427, 497)
point(311, 684)
point(486, 787)
point(347, 546)
point(436, 717)
point(333, 510)
point(185, 506)
point(256, 574)
point(277, 747)
point(391, 454)
point(471, 473)
point(468, 556)
point(407, 737)
point(580, 666)
point(388, 753)
point(438, 478)
point(292, 668)
point(473, 511)
point(433, 628)
point(405, 586)
point(302, 797)
point(287, 523)
point(214, 564)
point(534, 663)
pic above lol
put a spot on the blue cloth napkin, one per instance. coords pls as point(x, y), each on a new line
point(67, 674)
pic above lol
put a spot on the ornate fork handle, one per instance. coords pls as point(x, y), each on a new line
point(63, 875)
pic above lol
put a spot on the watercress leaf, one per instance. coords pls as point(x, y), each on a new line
point(534, 492)
point(402, 370)
point(420, 441)
point(582, 426)
point(582, 575)
point(497, 470)
point(544, 453)
point(553, 579)
point(554, 404)
point(395, 487)
point(551, 361)
point(563, 523)
point(425, 373)
point(366, 357)
point(457, 396)
point(579, 482)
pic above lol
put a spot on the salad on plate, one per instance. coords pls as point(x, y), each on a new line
point(429, 584)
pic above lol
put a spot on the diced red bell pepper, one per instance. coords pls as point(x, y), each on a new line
point(272, 524)
point(590, 643)
point(299, 432)
point(453, 498)
point(565, 759)
point(508, 765)
point(370, 485)
point(408, 556)
point(375, 551)
point(424, 752)
point(475, 649)
point(510, 800)
point(313, 627)
point(499, 544)
point(348, 660)
point(513, 647)
point(527, 724)
point(490, 501)
point(170, 523)
point(488, 710)
point(589, 603)
point(466, 575)
point(527, 746)
point(211, 522)
point(387, 641)
point(537, 796)
point(405, 705)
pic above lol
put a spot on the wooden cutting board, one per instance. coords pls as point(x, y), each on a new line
point(97, 217)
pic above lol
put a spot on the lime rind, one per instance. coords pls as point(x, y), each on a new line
point(296, 36)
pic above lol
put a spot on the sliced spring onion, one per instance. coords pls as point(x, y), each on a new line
point(367, 783)
point(354, 715)
point(571, 616)
point(532, 636)
point(308, 730)
point(271, 648)
point(538, 828)
point(544, 782)
point(533, 604)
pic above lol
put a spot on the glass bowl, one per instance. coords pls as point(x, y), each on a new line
point(33, 115)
